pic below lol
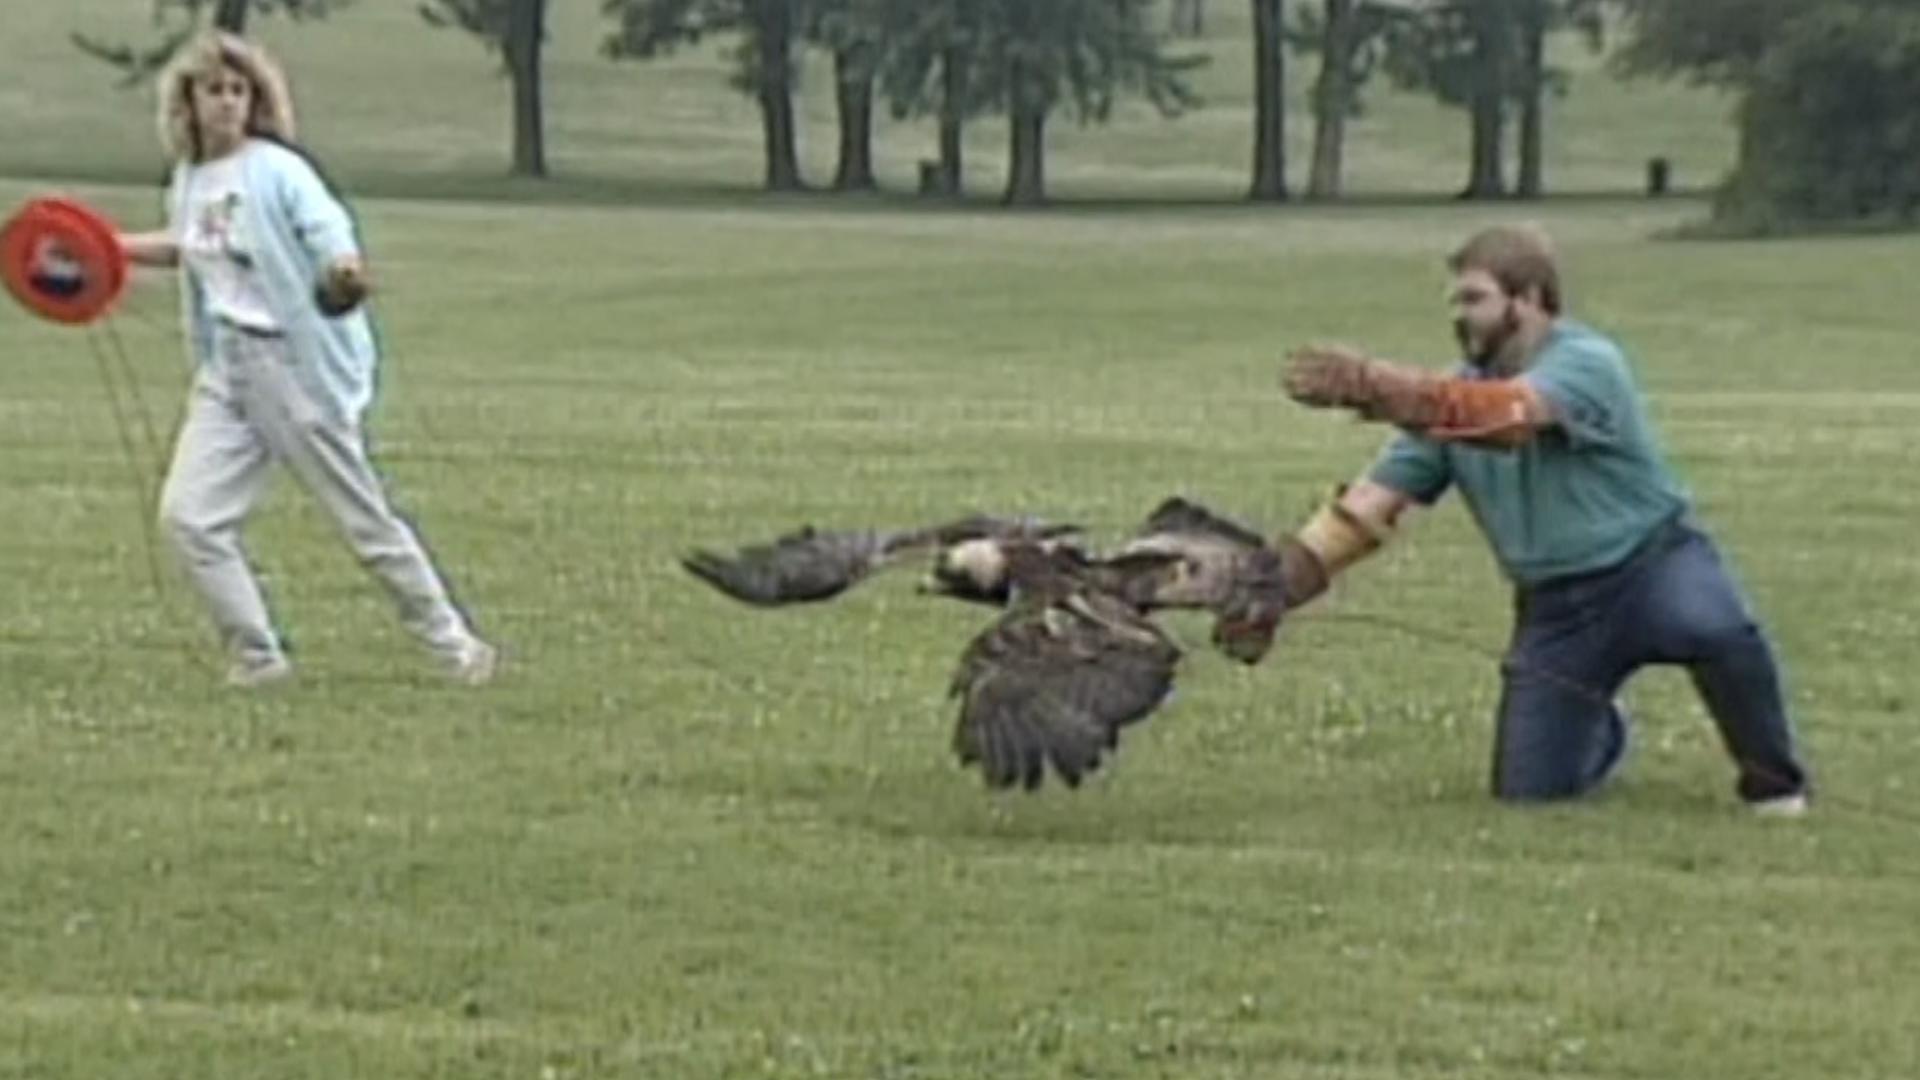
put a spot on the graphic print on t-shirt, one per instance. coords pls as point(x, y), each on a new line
point(218, 228)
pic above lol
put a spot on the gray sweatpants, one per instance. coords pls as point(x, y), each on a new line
point(247, 413)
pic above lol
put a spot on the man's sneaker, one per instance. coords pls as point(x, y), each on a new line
point(256, 672)
point(1781, 806)
point(474, 664)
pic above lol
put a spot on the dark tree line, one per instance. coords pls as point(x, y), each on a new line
point(1828, 92)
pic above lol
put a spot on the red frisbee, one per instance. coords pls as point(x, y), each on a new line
point(62, 261)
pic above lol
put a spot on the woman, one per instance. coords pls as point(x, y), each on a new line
point(272, 284)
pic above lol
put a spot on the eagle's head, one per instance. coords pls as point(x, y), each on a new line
point(980, 570)
point(973, 570)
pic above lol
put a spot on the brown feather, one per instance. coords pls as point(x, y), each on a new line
point(1055, 679)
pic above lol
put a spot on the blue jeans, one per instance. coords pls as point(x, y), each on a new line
point(1577, 640)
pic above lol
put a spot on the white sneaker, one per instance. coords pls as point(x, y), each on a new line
point(475, 664)
point(1781, 806)
point(259, 672)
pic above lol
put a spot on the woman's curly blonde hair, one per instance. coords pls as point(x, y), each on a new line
point(272, 110)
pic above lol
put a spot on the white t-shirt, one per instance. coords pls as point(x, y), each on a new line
point(213, 239)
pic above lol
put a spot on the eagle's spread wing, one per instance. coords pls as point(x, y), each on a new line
point(992, 527)
point(1053, 683)
point(1182, 516)
point(1226, 568)
point(806, 565)
point(813, 564)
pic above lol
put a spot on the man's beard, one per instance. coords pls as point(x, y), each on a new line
point(1488, 355)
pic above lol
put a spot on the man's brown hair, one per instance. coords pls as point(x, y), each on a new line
point(1519, 257)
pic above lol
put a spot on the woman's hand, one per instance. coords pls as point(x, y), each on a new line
point(343, 286)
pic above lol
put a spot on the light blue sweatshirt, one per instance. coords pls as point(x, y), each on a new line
point(295, 228)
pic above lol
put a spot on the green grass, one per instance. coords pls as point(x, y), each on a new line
point(685, 839)
point(396, 106)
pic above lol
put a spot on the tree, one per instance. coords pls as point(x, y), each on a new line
point(1532, 87)
point(1829, 100)
point(649, 28)
point(1537, 79)
point(928, 65)
point(1349, 38)
point(1461, 51)
point(856, 32)
point(1488, 60)
point(1269, 102)
point(1187, 18)
point(180, 20)
point(1711, 42)
point(516, 29)
point(1836, 108)
point(1038, 55)
point(231, 16)
point(1484, 56)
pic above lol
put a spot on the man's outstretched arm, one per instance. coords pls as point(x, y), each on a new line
point(1487, 412)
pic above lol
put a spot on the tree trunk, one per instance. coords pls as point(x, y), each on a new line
point(231, 16)
point(1332, 100)
point(773, 28)
point(1269, 103)
point(1026, 159)
point(1187, 18)
point(1486, 176)
point(853, 95)
point(526, 31)
point(1533, 81)
point(953, 111)
point(1736, 191)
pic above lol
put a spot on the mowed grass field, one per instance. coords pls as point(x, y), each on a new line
point(681, 838)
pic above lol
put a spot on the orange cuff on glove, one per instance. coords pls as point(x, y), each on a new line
point(1496, 412)
point(1501, 412)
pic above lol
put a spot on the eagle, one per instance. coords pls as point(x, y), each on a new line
point(1072, 656)
point(809, 564)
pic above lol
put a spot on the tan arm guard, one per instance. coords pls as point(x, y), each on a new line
point(1333, 539)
